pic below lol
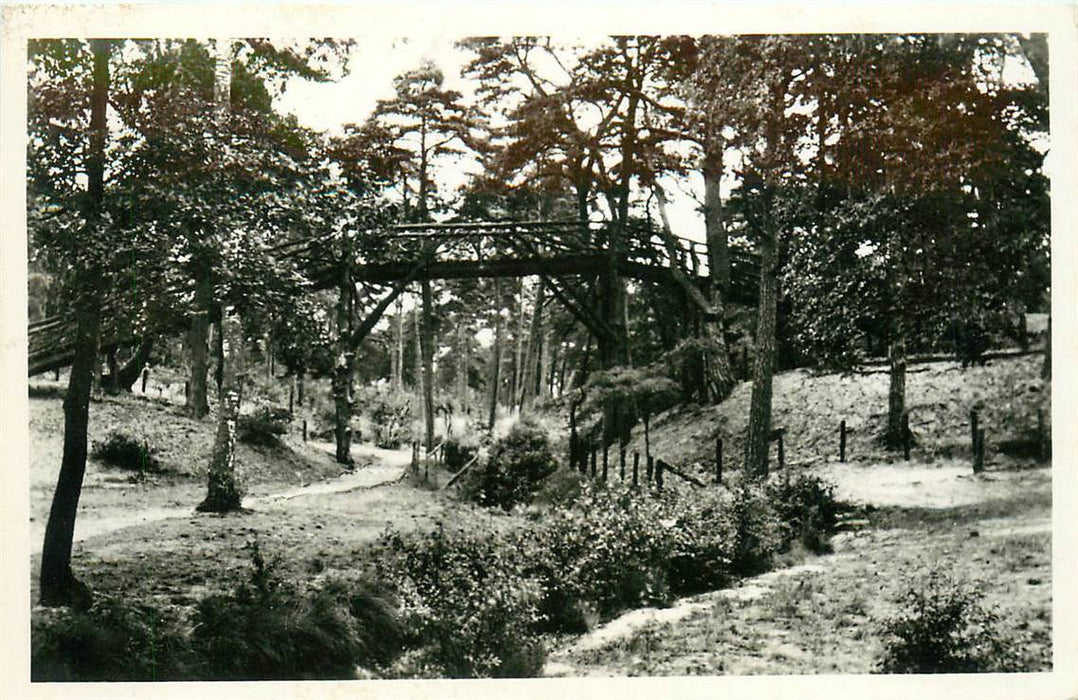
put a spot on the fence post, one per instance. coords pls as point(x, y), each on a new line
point(978, 452)
point(621, 458)
point(842, 441)
point(305, 430)
point(973, 427)
point(650, 469)
point(606, 459)
point(593, 456)
point(782, 452)
point(718, 460)
point(659, 474)
point(636, 468)
point(1043, 437)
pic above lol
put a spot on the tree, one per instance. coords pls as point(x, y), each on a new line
point(760, 76)
point(59, 587)
point(423, 122)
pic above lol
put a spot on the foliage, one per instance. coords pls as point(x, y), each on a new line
point(126, 452)
point(389, 414)
point(459, 451)
point(263, 427)
point(516, 466)
point(943, 628)
point(112, 641)
point(267, 630)
point(466, 604)
point(806, 507)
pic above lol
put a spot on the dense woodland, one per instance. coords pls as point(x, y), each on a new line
point(864, 197)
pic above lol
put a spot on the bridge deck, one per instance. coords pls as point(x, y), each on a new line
point(461, 250)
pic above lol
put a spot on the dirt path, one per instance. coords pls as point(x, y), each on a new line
point(379, 467)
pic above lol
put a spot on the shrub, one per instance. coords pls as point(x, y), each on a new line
point(757, 532)
point(390, 416)
point(125, 452)
point(942, 628)
point(704, 539)
point(263, 427)
point(517, 464)
point(266, 630)
point(466, 603)
point(110, 642)
point(808, 510)
point(459, 451)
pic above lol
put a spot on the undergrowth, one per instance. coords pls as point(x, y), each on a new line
point(128, 453)
point(942, 627)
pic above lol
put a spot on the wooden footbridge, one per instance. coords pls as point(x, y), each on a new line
point(398, 255)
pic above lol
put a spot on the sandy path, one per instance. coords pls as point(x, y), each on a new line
point(379, 467)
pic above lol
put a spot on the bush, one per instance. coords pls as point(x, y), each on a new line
point(705, 536)
point(110, 642)
point(390, 416)
point(264, 427)
point(517, 464)
point(267, 630)
point(467, 605)
point(125, 452)
point(459, 451)
point(942, 628)
point(808, 510)
point(757, 531)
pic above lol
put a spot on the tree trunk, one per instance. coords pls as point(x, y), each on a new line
point(427, 347)
point(462, 367)
point(759, 431)
point(896, 392)
point(518, 356)
point(95, 390)
point(417, 367)
point(718, 376)
point(224, 492)
point(59, 587)
point(397, 354)
point(532, 366)
point(496, 355)
point(343, 367)
point(198, 335)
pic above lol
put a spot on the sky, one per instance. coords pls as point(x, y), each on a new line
point(376, 60)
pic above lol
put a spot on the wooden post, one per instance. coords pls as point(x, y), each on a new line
point(621, 459)
point(659, 474)
point(650, 470)
point(973, 428)
point(145, 377)
point(842, 441)
point(1043, 437)
point(606, 459)
point(572, 451)
point(305, 430)
point(594, 453)
point(978, 452)
point(718, 460)
point(782, 451)
point(636, 468)
point(906, 436)
point(291, 396)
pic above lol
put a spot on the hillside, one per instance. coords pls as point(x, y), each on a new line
point(1007, 393)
